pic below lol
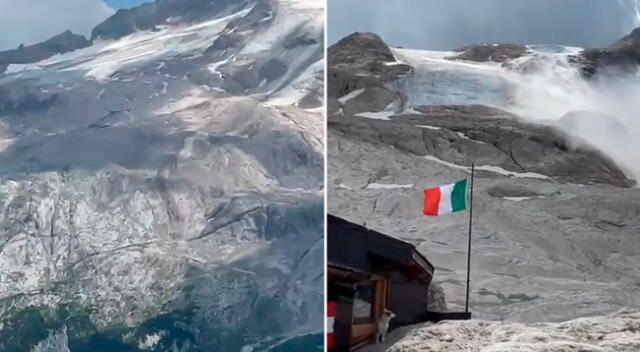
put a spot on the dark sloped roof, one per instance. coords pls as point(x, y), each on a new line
point(352, 245)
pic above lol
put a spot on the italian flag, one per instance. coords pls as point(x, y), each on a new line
point(445, 199)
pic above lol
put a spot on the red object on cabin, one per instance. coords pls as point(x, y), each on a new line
point(331, 318)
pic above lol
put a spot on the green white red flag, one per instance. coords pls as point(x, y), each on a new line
point(445, 199)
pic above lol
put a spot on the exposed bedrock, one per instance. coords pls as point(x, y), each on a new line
point(488, 136)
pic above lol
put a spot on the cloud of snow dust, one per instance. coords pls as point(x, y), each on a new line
point(604, 112)
point(543, 87)
point(636, 8)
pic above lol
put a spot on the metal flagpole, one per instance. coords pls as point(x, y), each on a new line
point(466, 307)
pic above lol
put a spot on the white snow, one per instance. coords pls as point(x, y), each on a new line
point(105, 58)
point(520, 199)
point(446, 163)
point(490, 168)
point(190, 99)
point(150, 341)
point(388, 186)
point(344, 186)
point(380, 115)
point(292, 14)
point(435, 128)
point(214, 66)
point(502, 171)
point(463, 136)
point(301, 86)
point(249, 272)
point(351, 95)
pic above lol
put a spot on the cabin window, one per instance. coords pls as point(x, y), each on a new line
point(363, 303)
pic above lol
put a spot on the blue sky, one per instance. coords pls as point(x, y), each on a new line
point(124, 4)
point(31, 21)
point(448, 24)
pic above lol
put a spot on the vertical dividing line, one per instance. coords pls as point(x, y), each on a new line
point(325, 111)
point(466, 306)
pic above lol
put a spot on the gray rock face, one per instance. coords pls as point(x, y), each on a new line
point(360, 49)
point(490, 52)
point(555, 223)
point(621, 57)
point(226, 41)
point(359, 60)
point(300, 40)
point(513, 191)
point(145, 204)
point(58, 44)
point(461, 134)
point(150, 15)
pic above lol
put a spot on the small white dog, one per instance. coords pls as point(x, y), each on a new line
point(383, 325)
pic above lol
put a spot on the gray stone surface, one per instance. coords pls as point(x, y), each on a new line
point(462, 134)
point(359, 60)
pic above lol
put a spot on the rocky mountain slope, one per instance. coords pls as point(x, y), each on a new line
point(162, 189)
point(59, 44)
point(556, 208)
point(619, 58)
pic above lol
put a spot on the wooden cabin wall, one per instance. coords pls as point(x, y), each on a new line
point(361, 332)
point(408, 299)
